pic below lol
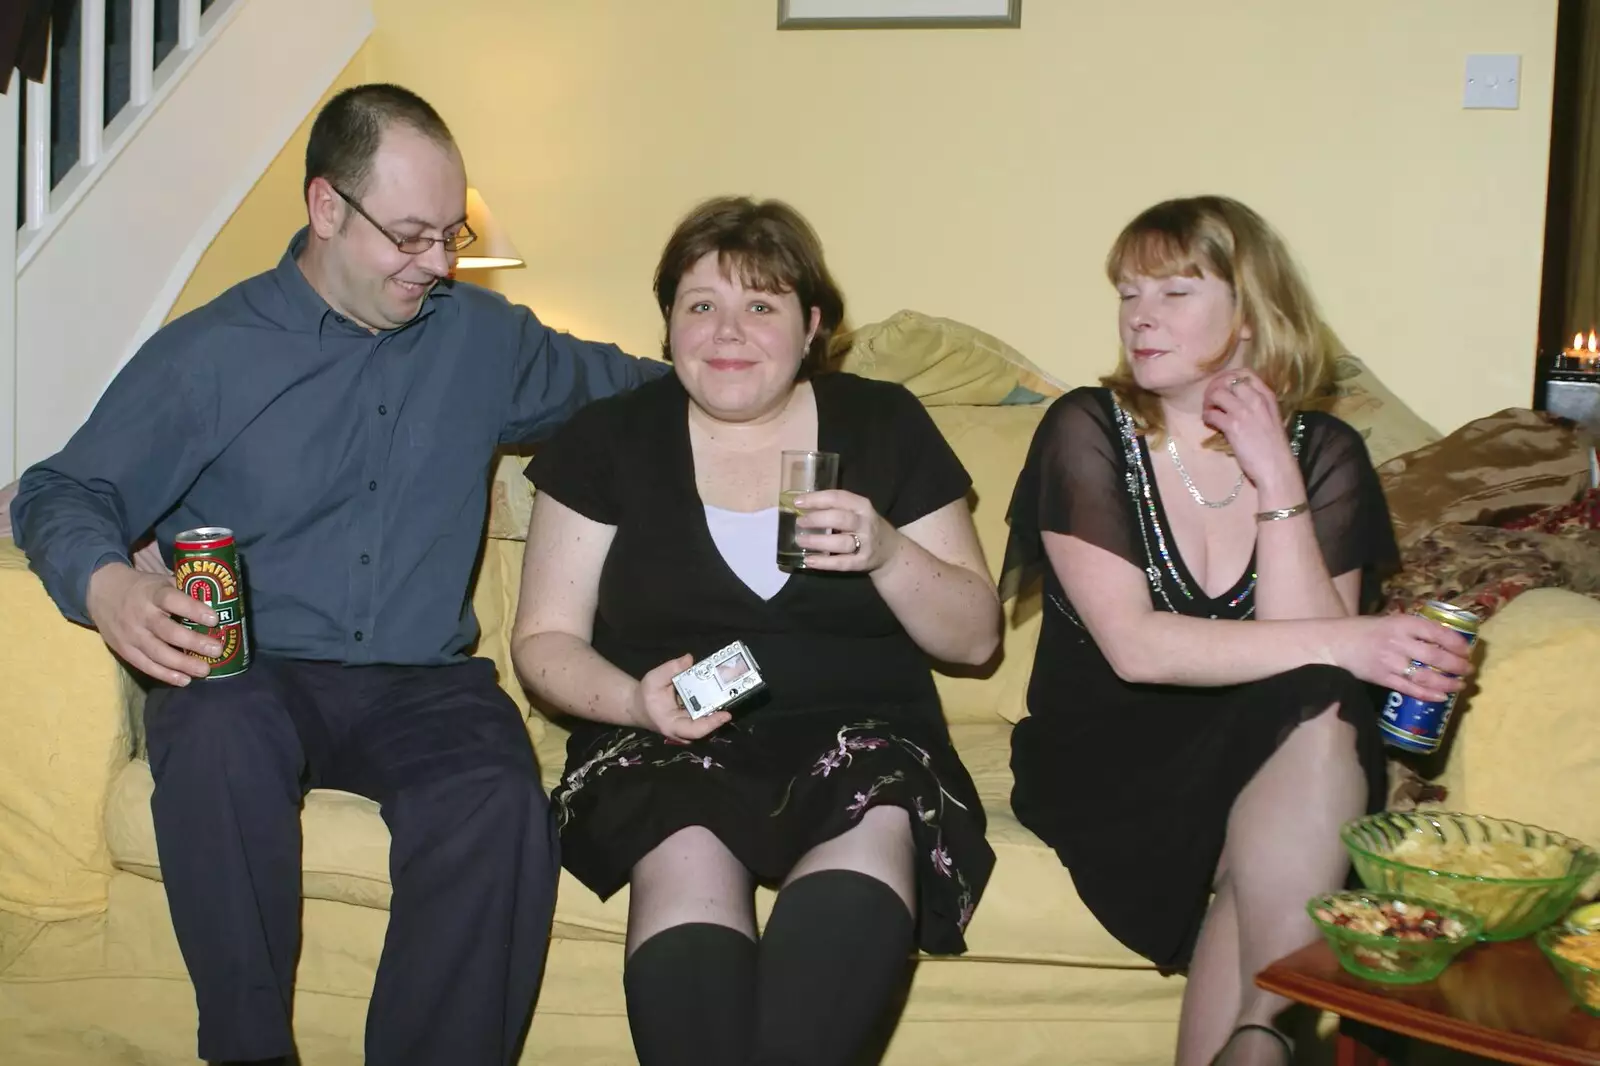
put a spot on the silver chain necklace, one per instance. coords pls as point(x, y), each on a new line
point(1188, 482)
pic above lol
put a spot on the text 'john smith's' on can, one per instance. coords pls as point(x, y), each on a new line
point(206, 565)
point(1416, 725)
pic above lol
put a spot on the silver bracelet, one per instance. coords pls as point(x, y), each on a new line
point(1283, 512)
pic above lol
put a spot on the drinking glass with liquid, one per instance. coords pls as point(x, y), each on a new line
point(802, 472)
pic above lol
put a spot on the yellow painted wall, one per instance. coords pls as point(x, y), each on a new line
point(256, 234)
point(981, 175)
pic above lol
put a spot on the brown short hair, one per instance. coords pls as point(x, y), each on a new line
point(347, 131)
point(1291, 348)
point(773, 249)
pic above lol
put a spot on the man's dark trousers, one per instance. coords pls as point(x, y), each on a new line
point(473, 854)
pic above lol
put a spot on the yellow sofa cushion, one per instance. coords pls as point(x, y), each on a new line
point(62, 700)
point(992, 443)
point(1526, 746)
point(1030, 911)
point(112, 990)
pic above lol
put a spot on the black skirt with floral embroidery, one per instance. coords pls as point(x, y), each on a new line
point(772, 789)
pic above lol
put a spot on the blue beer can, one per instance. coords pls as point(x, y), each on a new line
point(1416, 725)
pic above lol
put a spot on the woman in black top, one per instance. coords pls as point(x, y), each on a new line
point(1172, 751)
point(652, 545)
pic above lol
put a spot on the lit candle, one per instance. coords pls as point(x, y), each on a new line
point(1583, 356)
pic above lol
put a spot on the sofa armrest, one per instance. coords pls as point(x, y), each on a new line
point(65, 702)
point(1528, 745)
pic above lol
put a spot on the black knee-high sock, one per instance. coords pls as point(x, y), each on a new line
point(834, 954)
point(691, 996)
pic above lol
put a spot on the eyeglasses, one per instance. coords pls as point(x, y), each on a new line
point(413, 245)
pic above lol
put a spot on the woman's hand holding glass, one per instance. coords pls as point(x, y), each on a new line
point(845, 526)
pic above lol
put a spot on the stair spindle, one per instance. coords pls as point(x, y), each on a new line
point(188, 23)
point(142, 57)
point(91, 81)
point(35, 175)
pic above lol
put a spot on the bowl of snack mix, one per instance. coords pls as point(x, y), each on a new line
point(1515, 878)
point(1573, 948)
point(1392, 939)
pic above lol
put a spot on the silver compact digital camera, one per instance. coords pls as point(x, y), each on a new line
point(718, 681)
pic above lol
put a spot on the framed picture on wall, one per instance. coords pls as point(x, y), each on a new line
point(897, 14)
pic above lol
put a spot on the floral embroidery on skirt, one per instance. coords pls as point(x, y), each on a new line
point(771, 791)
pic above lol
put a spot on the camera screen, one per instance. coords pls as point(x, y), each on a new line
point(732, 669)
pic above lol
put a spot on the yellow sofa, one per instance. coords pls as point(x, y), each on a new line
point(90, 971)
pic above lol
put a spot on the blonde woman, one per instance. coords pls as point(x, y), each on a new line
point(1200, 717)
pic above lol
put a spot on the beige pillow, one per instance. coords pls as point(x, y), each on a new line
point(510, 499)
point(945, 362)
point(1389, 427)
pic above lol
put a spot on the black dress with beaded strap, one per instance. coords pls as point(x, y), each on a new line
point(1132, 784)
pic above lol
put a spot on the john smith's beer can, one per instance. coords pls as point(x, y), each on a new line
point(1411, 724)
point(206, 565)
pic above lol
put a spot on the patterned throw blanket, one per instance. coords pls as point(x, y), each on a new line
point(1484, 567)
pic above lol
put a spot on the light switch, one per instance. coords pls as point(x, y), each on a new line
point(1492, 82)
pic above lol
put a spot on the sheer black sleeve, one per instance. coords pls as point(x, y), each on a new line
point(1347, 505)
point(1073, 482)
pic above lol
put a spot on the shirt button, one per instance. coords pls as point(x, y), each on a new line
point(339, 319)
point(382, 410)
point(365, 558)
point(372, 486)
point(359, 636)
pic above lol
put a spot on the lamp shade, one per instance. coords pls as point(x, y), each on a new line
point(493, 248)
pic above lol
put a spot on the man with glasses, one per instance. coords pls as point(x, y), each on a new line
point(340, 413)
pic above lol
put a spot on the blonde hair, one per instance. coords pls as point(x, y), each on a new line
point(1290, 348)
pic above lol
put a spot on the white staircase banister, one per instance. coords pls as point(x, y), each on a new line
point(45, 205)
point(120, 226)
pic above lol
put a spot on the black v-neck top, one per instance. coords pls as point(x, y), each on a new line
point(824, 642)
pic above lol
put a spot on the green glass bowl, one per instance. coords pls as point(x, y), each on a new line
point(1388, 959)
point(1583, 982)
point(1509, 907)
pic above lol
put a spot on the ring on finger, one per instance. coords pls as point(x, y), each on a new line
point(1409, 672)
point(1233, 382)
point(856, 550)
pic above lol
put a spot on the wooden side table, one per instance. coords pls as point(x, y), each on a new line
point(1501, 1001)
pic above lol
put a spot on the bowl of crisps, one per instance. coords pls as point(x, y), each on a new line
point(1573, 948)
point(1515, 878)
point(1392, 939)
